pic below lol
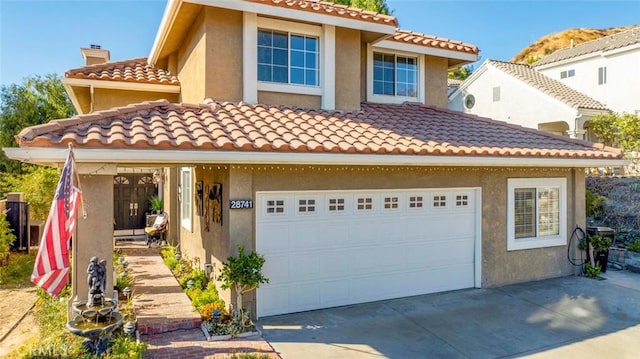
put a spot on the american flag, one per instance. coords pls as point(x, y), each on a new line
point(51, 270)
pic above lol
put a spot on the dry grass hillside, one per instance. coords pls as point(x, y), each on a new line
point(549, 43)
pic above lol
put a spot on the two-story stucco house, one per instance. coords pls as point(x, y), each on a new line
point(606, 69)
point(518, 94)
point(318, 135)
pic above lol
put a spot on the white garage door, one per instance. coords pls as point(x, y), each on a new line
point(326, 249)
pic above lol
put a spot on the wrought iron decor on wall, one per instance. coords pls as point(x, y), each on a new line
point(212, 204)
point(199, 198)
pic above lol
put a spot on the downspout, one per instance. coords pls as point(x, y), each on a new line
point(91, 101)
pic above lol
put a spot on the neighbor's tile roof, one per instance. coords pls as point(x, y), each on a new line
point(135, 70)
point(607, 43)
point(546, 84)
point(327, 8)
point(408, 129)
point(420, 39)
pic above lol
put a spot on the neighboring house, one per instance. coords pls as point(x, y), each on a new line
point(607, 69)
point(453, 85)
point(318, 135)
point(518, 94)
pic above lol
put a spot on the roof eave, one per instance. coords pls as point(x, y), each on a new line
point(120, 85)
point(427, 50)
point(173, 6)
point(47, 155)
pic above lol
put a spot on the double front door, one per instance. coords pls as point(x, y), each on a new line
point(131, 192)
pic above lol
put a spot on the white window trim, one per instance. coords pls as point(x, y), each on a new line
point(536, 242)
point(326, 66)
point(394, 99)
point(186, 217)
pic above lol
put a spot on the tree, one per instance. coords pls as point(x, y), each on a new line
point(244, 274)
point(379, 6)
point(622, 130)
point(37, 100)
point(461, 73)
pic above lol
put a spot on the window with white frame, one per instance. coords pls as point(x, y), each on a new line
point(390, 202)
point(496, 94)
point(395, 75)
point(364, 203)
point(288, 58)
point(186, 194)
point(415, 202)
point(275, 206)
point(536, 213)
point(602, 75)
point(306, 206)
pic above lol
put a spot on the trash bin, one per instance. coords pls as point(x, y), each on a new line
point(601, 257)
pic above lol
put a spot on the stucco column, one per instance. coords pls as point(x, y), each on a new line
point(240, 220)
point(94, 234)
point(240, 223)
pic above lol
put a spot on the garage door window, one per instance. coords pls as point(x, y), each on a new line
point(365, 204)
point(391, 203)
point(536, 213)
point(306, 206)
point(275, 207)
point(462, 200)
point(336, 205)
point(415, 202)
point(439, 201)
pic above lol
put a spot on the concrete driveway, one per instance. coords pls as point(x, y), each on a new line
point(570, 317)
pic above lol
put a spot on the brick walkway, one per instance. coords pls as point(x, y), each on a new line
point(166, 319)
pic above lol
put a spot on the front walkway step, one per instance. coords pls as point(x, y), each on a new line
point(160, 304)
point(190, 344)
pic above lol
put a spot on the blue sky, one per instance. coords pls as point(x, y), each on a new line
point(40, 37)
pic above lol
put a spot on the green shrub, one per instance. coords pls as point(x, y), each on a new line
point(206, 312)
point(38, 185)
point(635, 246)
point(123, 346)
point(591, 271)
point(17, 270)
point(199, 278)
point(171, 263)
point(6, 237)
point(203, 297)
point(250, 356)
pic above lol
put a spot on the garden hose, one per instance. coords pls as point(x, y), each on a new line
point(579, 234)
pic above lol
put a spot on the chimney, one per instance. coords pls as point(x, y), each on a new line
point(94, 54)
point(571, 44)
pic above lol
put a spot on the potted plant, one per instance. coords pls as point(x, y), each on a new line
point(242, 273)
point(600, 245)
point(157, 204)
point(632, 256)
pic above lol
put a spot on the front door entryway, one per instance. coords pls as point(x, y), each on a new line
point(131, 192)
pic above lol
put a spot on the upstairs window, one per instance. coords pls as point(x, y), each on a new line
point(602, 75)
point(395, 75)
point(496, 94)
point(568, 73)
point(288, 58)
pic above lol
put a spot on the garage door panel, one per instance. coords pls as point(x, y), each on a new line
point(340, 255)
point(276, 237)
point(278, 268)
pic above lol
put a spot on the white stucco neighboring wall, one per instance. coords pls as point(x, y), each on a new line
point(620, 93)
point(519, 102)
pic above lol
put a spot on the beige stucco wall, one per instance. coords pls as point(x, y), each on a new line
point(499, 266)
point(287, 99)
point(436, 81)
point(223, 54)
point(347, 69)
point(104, 99)
point(107, 98)
point(191, 67)
point(209, 246)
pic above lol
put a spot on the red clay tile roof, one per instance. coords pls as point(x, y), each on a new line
point(135, 70)
point(420, 39)
point(408, 129)
point(327, 8)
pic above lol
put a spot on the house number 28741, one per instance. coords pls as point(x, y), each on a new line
point(240, 203)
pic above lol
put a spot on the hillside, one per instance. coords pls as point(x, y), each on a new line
point(550, 43)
